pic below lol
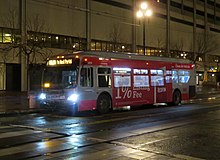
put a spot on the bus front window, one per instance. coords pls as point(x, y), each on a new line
point(60, 77)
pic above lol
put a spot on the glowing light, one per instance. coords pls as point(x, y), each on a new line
point(124, 69)
point(73, 97)
point(7, 34)
point(144, 5)
point(42, 96)
point(148, 13)
point(59, 61)
point(139, 14)
point(52, 62)
point(46, 85)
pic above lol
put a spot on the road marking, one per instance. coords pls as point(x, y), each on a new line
point(17, 133)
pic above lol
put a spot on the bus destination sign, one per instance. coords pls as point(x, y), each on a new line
point(55, 62)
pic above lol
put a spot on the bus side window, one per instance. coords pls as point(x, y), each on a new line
point(104, 77)
point(86, 77)
point(175, 76)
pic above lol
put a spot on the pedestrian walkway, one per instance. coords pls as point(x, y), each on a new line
point(14, 103)
point(19, 102)
point(205, 91)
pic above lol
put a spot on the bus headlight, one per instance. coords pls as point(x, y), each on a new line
point(73, 97)
point(42, 96)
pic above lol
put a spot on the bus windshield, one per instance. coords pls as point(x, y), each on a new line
point(60, 77)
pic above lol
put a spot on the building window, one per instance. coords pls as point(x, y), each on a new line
point(98, 46)
point(7, 36)
point(1, 35)
point(93, 46)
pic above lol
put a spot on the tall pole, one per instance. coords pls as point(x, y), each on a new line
point(215, 11)
point(168, 28)
point(134, 29)
point(144, 32)
point(205, 39)
point(23, 59)
point(194, 31)
point(88, 24)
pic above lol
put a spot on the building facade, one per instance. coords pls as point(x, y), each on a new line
point(32, 30)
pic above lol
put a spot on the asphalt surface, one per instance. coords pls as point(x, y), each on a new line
point(12, 103)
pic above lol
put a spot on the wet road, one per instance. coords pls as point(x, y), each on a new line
point(189, 131)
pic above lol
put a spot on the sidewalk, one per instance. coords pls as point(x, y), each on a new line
point(205, 91)
point(15, 103)
point(18, 103)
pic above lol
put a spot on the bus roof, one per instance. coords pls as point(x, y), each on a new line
point(130, 56)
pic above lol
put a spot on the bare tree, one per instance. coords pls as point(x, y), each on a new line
point(177, 45)
point(115, 36)
point(206, 44)
point(33, 47)
point(160, 42)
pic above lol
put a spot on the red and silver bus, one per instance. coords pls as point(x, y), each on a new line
point(103, 81)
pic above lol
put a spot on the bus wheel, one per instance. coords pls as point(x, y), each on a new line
point(176, 98)
point(103, 103)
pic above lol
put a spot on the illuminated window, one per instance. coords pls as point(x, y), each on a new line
point(156, 71)
point(183, 76)
point(1, 35)
point(104, 46)
point(98, 46)
point(7, 36)
point(174, 76)
point(122, 77)
point(93, 46)
point(158, 78)
point(141, 79)
point(157, 81)
point(168, 76)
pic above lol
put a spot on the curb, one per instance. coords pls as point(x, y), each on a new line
point(19, 112)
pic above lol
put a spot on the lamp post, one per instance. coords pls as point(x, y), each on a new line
point(144, 12)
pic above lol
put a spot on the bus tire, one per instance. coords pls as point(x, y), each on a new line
point(176, 98)
point(103, 103)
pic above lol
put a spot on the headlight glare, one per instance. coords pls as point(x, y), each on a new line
point(73, 97)
point(42, 96)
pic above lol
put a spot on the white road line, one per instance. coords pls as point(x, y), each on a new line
point(17, 133)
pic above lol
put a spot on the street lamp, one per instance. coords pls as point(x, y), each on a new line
point(144, 12)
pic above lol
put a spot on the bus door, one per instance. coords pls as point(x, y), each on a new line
point(86, 90)
point(158, 85)
point(104, 80)
point(169, 87)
